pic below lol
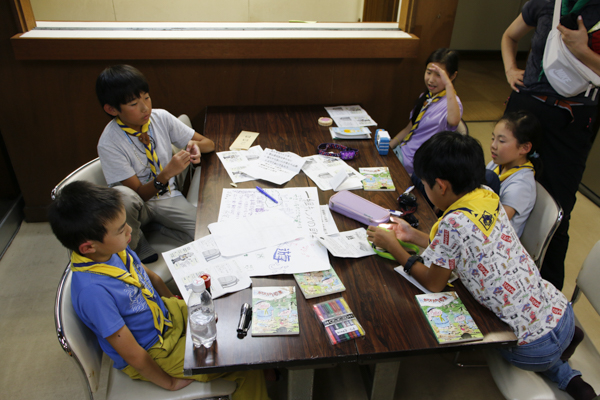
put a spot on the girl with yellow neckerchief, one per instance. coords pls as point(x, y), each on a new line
point(515, 139)
point(475, 239)
point(437, 109)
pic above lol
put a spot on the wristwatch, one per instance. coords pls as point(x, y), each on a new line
point(411, 260)
point(161, 187)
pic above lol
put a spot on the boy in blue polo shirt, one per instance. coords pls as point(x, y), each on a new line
point(475, 238)
point(136, 318)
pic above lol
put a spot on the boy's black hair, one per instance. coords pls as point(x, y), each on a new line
point(454, 157)
point(120, 84)
point(81, 211)
point(526, 128)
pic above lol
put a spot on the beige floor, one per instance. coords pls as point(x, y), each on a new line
point(35, 367)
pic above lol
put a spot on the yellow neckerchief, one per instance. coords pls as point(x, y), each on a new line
point(429, 99)
point(481, 206)
point(151, 155)
point(83, 264)
point(512, 170)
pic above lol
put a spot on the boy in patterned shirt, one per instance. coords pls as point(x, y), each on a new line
point(475, 237)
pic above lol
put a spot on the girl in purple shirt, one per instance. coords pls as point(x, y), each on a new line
point(438, 109)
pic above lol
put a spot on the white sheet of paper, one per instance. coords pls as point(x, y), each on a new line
point(349, 244)
point(275, 166)
point(188, 262)
point(258, 231)
point(300, 204)
point(236, 161)
point(329, 226)
point(321, 169)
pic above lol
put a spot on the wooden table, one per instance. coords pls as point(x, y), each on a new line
point(381, 299)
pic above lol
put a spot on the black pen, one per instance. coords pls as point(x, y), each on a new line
point(243, 314)
point(248, 321)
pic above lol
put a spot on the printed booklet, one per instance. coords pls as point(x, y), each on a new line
point(274, 311)
point(448, 318)
point(319, 283)
point(377, 178)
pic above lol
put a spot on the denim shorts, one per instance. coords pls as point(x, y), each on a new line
point(543, 354)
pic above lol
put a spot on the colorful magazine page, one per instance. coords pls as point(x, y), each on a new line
point(319, 283)
point(338, 320)
point(448, 318)
point(274, 311)
point(377, 178)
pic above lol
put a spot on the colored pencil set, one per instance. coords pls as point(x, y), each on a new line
point(338, 320)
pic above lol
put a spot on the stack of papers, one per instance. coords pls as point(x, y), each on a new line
point(361, 132)
point(236, 161)
point(332, 173)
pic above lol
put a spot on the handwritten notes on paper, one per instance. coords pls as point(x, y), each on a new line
point(300, 204)
point(275, 166)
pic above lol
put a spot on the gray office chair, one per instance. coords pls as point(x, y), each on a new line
point(92, 172)
point(517, 384)
point(80, 343)
point(541, 225)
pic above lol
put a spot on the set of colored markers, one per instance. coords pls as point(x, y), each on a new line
point(338, 320)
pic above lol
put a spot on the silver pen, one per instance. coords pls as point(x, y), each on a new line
point(243, 313)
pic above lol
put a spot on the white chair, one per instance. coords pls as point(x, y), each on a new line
point(541, 225)
point(462, 128)
point(80, 343)
point(517, 384)
point(92, 172)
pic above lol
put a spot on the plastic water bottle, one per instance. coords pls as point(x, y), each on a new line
point(201, 314)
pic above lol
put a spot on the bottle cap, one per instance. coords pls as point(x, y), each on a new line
point(325, 121)
point(206, 278)
point(198, 286)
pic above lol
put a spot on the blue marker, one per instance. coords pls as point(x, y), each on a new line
point(266, 194)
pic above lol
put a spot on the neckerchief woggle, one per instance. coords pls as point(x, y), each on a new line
point(481, 206)
point(150, 150)
point(429, 99)
point(510, 171)
point(83, 264)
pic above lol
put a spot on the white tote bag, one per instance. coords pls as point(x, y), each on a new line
point(567, 75)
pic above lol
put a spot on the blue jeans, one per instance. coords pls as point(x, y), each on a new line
point(543, 354)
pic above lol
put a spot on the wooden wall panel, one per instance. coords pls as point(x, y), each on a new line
point(51, 121)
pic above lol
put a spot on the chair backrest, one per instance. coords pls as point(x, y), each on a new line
point(541, 225)
point(588, 279)
point(76, 339)
point(91, 172)
point(462, 128)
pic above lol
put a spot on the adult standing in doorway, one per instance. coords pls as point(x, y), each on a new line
point(568, 123)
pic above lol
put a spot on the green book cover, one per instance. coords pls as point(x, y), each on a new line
point(377, 178)
point(448, 317)
point(319, 283)
point(274, 311)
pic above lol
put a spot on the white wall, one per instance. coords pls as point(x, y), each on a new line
point(198, 10)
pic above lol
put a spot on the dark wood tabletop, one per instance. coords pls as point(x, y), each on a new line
point(382, 300)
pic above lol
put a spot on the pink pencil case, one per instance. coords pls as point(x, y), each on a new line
point(358, 208)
